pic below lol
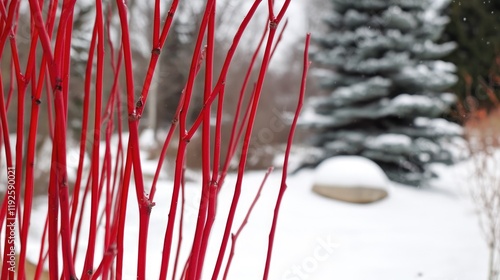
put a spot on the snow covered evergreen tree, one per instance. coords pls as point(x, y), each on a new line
point(381, 66)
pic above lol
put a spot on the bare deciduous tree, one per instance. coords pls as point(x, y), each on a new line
point(483, 143)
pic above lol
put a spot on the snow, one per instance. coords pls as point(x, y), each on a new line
point(388, 140)
point(147, 139)
point(441, 126)
point(397, 18)
point(413, 234)
point(350, 171)
point(436, 75)
point(391, 140)
point(309, 116)
point(366, 90)
point(436, 6)
point(406, 100)
point(443, 66)
point(430, 50)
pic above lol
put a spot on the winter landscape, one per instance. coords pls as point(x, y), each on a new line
point(321, 139)
point(413, 234)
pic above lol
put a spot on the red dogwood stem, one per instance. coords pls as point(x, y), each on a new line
point(273, 24)
point(182, 142)
point(287, 155)
point(234, 237)
point(193, 267)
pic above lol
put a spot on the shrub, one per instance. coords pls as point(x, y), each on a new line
point(105, 177)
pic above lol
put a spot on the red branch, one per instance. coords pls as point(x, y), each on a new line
point(234, 237)
point(287, 155)
point(99, 196)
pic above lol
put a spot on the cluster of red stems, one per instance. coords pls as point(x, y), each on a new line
point(109, 178)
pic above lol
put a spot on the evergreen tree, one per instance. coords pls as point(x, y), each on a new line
point(385, 80)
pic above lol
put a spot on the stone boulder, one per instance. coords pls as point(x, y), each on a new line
point(351, 179)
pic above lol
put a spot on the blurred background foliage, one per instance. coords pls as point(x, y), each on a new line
point(475, 27)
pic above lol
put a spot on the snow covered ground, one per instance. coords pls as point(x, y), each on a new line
point(428, 234)
point(414, 234)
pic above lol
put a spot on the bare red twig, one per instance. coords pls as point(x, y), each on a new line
point(235, 137)
point(273, 24)
point(182, 141)
point(234, 237)
point(89, 257)
point(195, 262)
point(181, 226)
point(109, 171)
point(287, 155)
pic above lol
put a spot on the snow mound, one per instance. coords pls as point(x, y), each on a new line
point(351, 179)
point(350, 171)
